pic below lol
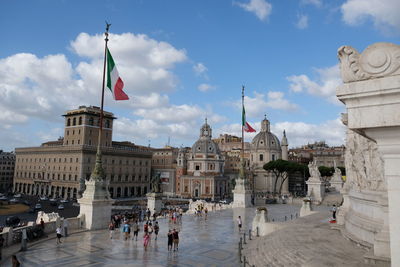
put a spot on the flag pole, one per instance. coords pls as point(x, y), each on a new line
point(102, 89)
point(242, 123)
point(98, 171)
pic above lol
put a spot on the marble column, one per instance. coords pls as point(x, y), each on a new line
point(371, 93)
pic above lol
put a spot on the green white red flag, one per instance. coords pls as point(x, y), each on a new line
point(114, 81)
point(245, 125)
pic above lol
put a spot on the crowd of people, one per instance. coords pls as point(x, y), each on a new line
point(128, 223)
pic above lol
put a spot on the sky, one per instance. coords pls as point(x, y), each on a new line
point(183, 61)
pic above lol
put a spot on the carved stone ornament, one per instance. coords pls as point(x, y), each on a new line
point(378, 60)
point(364, 164)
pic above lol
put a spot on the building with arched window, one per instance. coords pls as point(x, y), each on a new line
point(264, 148)
point(60, 168)
point(200, 172)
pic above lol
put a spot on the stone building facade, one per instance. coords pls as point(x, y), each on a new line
point(266, 147)
point(59, 168)
point(7, 164)
point(200, 171)
point(164, 162)
point(319, 152)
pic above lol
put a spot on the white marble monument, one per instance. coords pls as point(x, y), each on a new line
point(154, 202)
point(371, 93)
point(242, 191)
point(316, 187)
point(336, 179)
point(95, 203)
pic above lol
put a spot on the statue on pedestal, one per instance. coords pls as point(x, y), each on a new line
point(314, 172)
point(156, 183)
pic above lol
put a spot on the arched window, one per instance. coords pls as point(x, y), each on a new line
point(261, 157)
point(80, 120)
point(69, 122)
point(273, 157)
point(91, 121)
point(74, 121)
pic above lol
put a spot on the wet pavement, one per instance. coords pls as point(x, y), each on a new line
point(211, 242)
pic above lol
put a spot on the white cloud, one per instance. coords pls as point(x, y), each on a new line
point(146, 65)
point(200, 69)
point(261, 8)
point(328, 79)
point(204, 87)
point(316, 3)
point(298, 133)
point(382, 12)
point(259, 104)
point(302, 22)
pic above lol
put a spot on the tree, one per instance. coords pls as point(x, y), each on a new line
point(282, 169)
point(326, 171)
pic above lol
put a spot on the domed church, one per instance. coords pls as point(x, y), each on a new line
point(202, 169)
point(264, 148)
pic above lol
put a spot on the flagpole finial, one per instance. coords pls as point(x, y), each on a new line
point(107, 29)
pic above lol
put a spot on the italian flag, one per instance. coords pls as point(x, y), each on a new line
point(245, 125)
point(114, 82)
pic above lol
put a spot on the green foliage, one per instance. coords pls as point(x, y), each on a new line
point(326, 171)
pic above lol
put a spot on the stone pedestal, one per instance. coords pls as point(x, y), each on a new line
point(336, 180)
point(95, 205)
point(241, 194)
point(371, 93)
point(306, 208)
point(316, 190)
point(154, 202)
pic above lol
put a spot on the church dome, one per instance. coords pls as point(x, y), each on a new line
point(265, 140)
point(204, 144)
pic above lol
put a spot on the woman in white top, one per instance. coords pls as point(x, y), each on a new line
point(58, 232)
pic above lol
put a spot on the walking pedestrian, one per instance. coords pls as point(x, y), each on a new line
point(135, 230)
point(126, 230)
point(146, 240)
point(334, 212)
point(150, 231)
point(175, 239)
point(205, 213)
point(111, 228)
point(239, 222)
point(65, 226)
point(156, 229)
point(59, 235)
point(170, 239)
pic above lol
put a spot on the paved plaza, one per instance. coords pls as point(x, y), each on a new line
point(211, 242)
point(307, 241)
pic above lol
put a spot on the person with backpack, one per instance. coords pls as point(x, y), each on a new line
point(156, 229)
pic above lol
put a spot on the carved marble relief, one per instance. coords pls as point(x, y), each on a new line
point(364, 164)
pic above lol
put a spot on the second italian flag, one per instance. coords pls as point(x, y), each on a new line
point(245, 125)
point(114, 82)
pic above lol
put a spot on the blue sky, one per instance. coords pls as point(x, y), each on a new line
point(182, 61)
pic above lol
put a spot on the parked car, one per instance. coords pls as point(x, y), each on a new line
point(18, 195)
point(31, 210)
point(3, 198)
point(26, 202)
point(43, 198)
point(64, 201)
point(61, 207)
point(53, 203)
point(38, 206)
point(53, 200)
point(12, 221)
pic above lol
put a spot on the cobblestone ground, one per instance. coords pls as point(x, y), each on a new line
point(211, 242)
point(308, 241)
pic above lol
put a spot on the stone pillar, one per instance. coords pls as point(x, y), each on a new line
point(95, 203)
point(242, 191)
point(154, 202)
point(371, 93)
point(316, 190)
